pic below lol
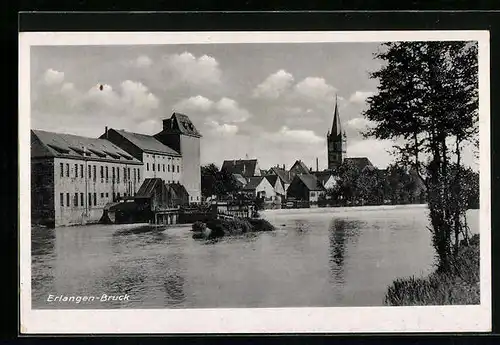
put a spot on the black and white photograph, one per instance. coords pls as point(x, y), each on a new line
point(255, 182)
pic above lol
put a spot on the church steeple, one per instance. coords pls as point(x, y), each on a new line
point(336, 140)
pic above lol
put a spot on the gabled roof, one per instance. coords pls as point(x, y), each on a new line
point(311, 182)
point(302, 168)
point(253, 183)
point(50, 144)
point(148, 187)
point(282, 174)
point(272, 179)
point(179, 123)
point(240, 179)
point(244, 167)
point(179, 189)
point(359, 162)
point(146, 143)
point(323, 176)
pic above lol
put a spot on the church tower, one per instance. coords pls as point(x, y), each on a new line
point(336, 141)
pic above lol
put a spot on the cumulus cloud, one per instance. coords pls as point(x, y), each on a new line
point(188, 69)
point(196, 103)
point(53, 77)
point(359, 123)
point(378, 151)
point(315, 88)
point(274, 85)
point(136, 95)
point(302, 136)
point(360, 96)
point(222, 129)
point(230, 111)
point(143, 61)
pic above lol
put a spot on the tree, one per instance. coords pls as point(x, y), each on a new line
point(428, 99)
point(215, 182)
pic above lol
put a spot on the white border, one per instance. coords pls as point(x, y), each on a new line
point(273, 320)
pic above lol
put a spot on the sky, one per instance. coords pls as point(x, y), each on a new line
point(269, 101)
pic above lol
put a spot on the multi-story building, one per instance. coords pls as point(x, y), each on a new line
point(180, 134)
point(74, 177)
point(159, 160)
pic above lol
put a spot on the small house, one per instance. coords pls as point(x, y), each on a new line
point(244, 167)
point(327, 179)
point(259, 187)
point(306, 187)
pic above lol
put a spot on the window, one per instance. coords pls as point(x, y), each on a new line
point(163, 167)
point(128, 173)
point(67, 199)
point(153, 166)
point(106, 173)
point(178, 168)
point(90, 199)
point(95, 199)
point(117, 174)
point(107, 195)
point(82, 202)
point(90, 171)
point(95, 175)
point(61, 198)
point(173, 167)
point(168, 167)
point(76, 199)
point(113, 173)
point(197, 198)
point(138, 175)
point(114, 196)
point(135, 175)
point(118, 195)
point(124, 174)
point(62, 172)
point(102, 172)
point(81, 171)
point(67, 169)
point(102, 195)
point(76, 170)
point(159, 167)
point(147, 166)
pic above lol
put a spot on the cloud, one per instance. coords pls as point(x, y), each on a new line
point(359, 123)
point(53, 77)
point(188, 69)
point(301, 136)
point(230, 111)
point(378, 151)
point(136, 95)
point(223, 129)
point(360, 96)
point(143, 61)
point(274, 85)
point(196, 103)
point(315, 88)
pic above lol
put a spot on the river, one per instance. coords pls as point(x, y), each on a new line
point(320, 257)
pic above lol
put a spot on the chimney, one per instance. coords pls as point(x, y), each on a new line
point(106, 132)
point(317, 164)
point(283, 166)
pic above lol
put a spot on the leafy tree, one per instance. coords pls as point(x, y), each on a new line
point(428, 98)
point(215, 182)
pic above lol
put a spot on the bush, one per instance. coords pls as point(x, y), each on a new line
point(237, 226)
point(199, 226)
point(458, 286)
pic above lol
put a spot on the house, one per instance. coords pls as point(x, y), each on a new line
point(74, 177)
point(275, 181)
point(244, 167)
point(306, 187)
point(159, 160)
point(259, 187)
point(240, 180)
point(327, 178)
point(284, 176)
point(361, 163)
point(178, 195)
point(153, 194)
point(298, 168)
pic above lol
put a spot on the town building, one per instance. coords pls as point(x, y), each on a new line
point(275, 181)
point(306, 187)
point(298, 168)
point(327, 178)
point(360, 163)
point(259, 187)
point(180, 134)
point(336, 141)
point(243, 167)
point(284, 176)
point(74, 177)
point(159, 160)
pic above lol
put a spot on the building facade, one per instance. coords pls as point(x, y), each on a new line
point(180, 134)
point(243, 167)
point(73, 177)
point(336, 142)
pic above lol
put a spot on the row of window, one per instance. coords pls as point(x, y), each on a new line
point(153, 166)
point(104, 172)
point(160, 156)
point(78, 198)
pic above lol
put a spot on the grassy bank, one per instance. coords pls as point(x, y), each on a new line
point(222, 227)
point(458, 287)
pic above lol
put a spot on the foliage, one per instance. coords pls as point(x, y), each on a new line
point(458, 286)
point(217, 182)
point(237, 226)
point(428, 99)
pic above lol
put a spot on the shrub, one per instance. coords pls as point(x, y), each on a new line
point(199, 226)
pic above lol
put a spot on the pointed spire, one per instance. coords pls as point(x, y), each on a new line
point(336, 127)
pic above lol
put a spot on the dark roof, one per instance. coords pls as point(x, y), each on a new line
point(179, 189)
point(272, 179)
point(322, 176)
point(359, 162)
point(336, 126)
point(50, 144)
point(302, 167)
point(282, 174)
point(253, 183)
point(240, 179)
point(147, 187)
point(146, 143)
point(244, 167)
point(311, 182)
point(179, 123)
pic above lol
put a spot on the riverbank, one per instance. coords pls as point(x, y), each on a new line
point(456, 288)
